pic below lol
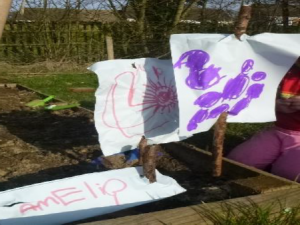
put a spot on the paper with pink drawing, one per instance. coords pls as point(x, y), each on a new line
point(135, 97)
point(71, 199)
point(217, 73)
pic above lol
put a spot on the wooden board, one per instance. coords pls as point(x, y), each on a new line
point(196, 214)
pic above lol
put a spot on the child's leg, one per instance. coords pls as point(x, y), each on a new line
point(288, 163)
point(260, 151)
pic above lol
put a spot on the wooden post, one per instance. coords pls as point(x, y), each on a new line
point(4, 10)
point(109, 46)
point(220, 127)
point(22, 7)
point(148, 154)
point(218, 142)
point(243, 20)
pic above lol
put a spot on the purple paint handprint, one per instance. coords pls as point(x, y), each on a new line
point(217, 111)
point(242, 89)
point(208, 99)
point(235, 87)
point(199, 117)
point(254, 91)
point(199, 78)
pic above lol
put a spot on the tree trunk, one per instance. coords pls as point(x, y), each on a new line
point(45, 4)
point(285, 14)
point(202, 19)
point(142, 6)
point(78, 4)
point(22, 7)
point(181, 12)
point(4, 10)
point(178, 13)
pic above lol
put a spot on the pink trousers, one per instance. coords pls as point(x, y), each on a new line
point(275, 147)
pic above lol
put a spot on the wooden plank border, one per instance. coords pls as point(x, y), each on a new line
point(197, 214)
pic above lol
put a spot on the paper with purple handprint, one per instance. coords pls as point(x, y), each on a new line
point(135, 98)
point(217, 73)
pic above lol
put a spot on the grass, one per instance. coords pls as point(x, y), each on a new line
point(253, 214)
point(58, 85)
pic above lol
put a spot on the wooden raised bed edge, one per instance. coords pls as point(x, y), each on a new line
point(197, 214)
point(262, 188)
point(247, 180)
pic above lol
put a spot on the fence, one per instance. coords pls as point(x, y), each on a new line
point(80, 42)
point(27, 42)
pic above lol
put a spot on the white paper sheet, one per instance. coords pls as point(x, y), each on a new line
point(135, 97)
point(80, 197)
point(216, 73)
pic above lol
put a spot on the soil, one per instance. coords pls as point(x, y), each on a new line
point(38, 145)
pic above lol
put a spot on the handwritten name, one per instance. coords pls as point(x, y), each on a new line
point(70, 195)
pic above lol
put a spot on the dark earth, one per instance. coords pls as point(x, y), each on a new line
point(38, 146)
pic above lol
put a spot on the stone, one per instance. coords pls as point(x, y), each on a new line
point(3, 173)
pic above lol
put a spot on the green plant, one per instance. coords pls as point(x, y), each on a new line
point(250, 213)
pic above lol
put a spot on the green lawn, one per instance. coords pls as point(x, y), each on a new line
point(59, 85)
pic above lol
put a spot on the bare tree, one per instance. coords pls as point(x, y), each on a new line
point(22, 7)
point(285, 14)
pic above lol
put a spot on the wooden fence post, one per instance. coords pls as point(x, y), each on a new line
point(109, 46)
point(220, 127)
point(4, 10)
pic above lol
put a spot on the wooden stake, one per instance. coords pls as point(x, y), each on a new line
point(148, 154)
point(220, 127)
point(142, 147)
point(110, 46)
point(242, 21)
point(219, 136)
point(149, 162)
point(4, 10)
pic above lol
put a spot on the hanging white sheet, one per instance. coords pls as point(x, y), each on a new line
point(217, 73)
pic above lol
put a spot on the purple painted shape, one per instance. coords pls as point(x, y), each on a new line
point(258, 76)
point(247, 66)
point(235, 87)
point(205, 78)
point(194, 59)
point(217, 111)
point(199, 117)
point(239, 106)
point(199, 78)
point(255, 90)
point(208, 99)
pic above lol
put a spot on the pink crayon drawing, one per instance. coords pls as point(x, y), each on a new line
point(112, 187)
point(147, 101)
point(70, 195)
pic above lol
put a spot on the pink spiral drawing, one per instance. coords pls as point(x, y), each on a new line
point(151, 101)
